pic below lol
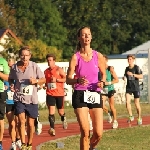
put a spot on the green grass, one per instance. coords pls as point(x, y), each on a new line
point(136, 138)
point(121, 111)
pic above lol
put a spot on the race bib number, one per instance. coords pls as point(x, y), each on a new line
point(10, 95)
point(91, 97)
point(1, 68)
point(51, 86)
point(26, 89)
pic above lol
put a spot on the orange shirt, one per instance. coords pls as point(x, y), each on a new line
point(59, 90)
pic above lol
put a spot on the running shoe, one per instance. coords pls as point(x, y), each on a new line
point(13, 146)
point(51, 131)
point(29, 147)
point(139, 121)
point(18, 144)
point(65, 124)
point(115, 124)
point(38, 128)
point(23, 147)
point(109, 116)
point(131, 118)
point(1, 147)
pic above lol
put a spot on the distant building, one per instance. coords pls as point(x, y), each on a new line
point(4, 35)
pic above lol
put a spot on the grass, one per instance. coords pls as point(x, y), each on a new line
point(121, 111)
point(136, 138)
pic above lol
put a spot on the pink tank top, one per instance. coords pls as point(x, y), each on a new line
point(89, 70)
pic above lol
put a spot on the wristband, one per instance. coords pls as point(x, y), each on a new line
point(109, 83)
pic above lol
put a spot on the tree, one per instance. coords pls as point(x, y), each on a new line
point(39, 20)
point(39, 51)
point(7, 19)
point(96, 14)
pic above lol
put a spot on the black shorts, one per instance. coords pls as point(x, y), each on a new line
point(31, 110)
point(55, 100)
point(3, 97)
point(110, 93)
point(135, 93)
point(78, 100)
point(10, 107)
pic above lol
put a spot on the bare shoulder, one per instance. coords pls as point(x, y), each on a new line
point(60, 69)
point(99, 55)
point(74, 57)
point(111, 68)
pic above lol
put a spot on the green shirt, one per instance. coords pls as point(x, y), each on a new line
point(109, 78)
point(4, 68)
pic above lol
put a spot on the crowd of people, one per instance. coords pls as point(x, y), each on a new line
point(20, 82)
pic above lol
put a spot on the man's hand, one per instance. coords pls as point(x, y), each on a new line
point(33, 80)
point(129, 73)
point(53, 79)
point(12, 87)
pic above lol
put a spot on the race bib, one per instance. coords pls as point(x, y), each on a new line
point(26, 89)
point(1, 68)
point(91, 97)
point(51, 86)
point(105, 90)
point(10, 95)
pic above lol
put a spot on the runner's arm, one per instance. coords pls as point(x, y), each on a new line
point(113, 73)
point(71, 70)
point(101, 65)
point(40, 77)
point(63, 75)
point(138, 73)
point(5, 74)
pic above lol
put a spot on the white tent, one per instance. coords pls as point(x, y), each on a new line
point(141, 49)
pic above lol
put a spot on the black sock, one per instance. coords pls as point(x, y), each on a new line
point(17, 139)
point(29, 144)
point(1, 142)
point(51, 120)
point(23, 143)
point(63, 117)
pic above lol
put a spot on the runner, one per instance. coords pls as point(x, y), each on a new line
point(4, 71)
point(86, 63)
point(12, 120)
point(133, 73)
point(55, 79)
point(111, 79)
point(26, 75)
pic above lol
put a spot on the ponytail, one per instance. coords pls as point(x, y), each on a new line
point(78, 46)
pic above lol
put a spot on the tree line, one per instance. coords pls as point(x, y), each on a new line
point(117, 25)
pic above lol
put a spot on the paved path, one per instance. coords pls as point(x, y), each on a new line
point(73, 129)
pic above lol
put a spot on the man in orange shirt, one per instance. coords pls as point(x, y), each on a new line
point(55, 79)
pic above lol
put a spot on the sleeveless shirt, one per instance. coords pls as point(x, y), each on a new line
point(59, 90)
point(90, 70)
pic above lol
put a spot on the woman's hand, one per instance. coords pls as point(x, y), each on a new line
point(83, 81)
